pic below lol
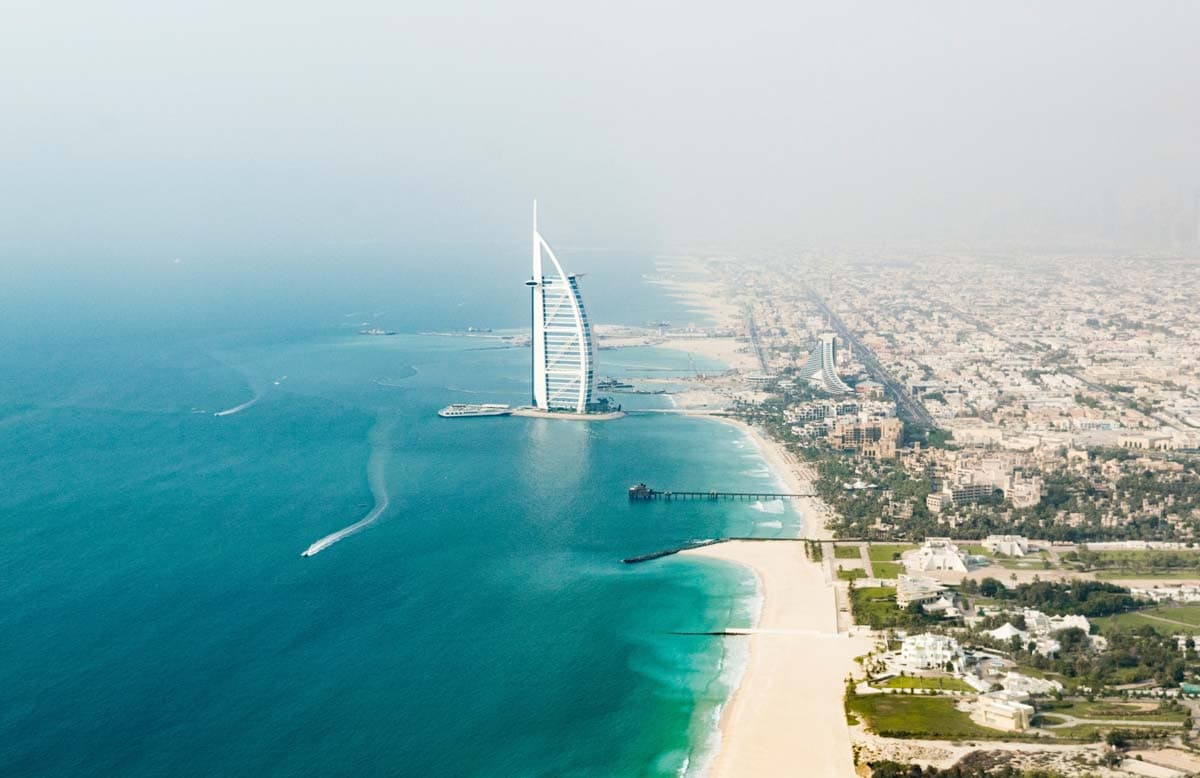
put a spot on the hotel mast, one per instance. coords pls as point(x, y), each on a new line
point(564, 355)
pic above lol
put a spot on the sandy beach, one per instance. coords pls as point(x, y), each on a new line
point(786, 718)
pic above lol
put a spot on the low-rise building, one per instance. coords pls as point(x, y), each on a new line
point(1024, 684)
point(1008, 545)
point(1001, 712)
point(931, 652)
point(912, 588)
point(936, 554)
point(937, 502)
point(870, 438)
point(1040, 624)
point(1184, 593)
point(1042, 644)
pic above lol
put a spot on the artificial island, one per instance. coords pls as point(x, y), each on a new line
point(562, 371)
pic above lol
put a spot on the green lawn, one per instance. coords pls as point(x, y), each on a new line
point(1187, 614)
point(976, 550)
point(1113, 710)
point(1170, 565)
point(851, 575)
point(1088, 733)
point(887, 569)
point(941, 683)
point(875, 605)
point(887, 552)
point(846, 552)
point(916, 716)
point(1128, 621)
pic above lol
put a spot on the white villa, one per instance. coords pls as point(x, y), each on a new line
point(1046, 646)
point(936, 554)
point(1040, 627)
point(1008, 545)
point(1041, 624)
point(930, 652)
point(1024, 684)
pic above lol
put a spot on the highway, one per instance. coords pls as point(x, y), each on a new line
point(907, 407)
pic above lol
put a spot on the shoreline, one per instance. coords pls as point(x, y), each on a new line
point(785, 715)
point(782, 718)
point(796, 476)
point(777, 696)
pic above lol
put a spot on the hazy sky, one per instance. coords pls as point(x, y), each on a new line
point(362, 120)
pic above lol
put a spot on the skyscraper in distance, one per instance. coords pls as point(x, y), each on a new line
point(564, 354)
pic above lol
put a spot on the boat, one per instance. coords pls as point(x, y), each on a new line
point(460, 410)
point(376, 331)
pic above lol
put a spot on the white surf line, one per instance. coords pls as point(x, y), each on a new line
point(239, 408)
point(375, 476)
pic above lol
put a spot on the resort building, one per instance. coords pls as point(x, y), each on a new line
point(931, 652)
point(762, 381)
point(821, 367)
point(1040, 624)
point(1007, 632)
point(872, 438)
point(936, 502)
point(1008, 545)
point(937, 554)
point(911, 588)
point(1000, 711)
point(1023, 684)
point(564, 354)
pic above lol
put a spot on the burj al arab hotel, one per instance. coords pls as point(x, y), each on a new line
point(564, 354)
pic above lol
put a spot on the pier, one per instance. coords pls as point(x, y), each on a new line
point(641, 492)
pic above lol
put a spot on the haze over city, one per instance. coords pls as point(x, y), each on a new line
point(638, 125)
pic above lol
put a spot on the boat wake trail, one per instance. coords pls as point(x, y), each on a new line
point(376, 477)
point(258, 395)
point(239, 408)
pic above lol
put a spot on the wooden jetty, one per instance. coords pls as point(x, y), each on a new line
point(641, 492)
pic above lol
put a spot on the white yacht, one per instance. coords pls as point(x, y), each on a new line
point(464, 409)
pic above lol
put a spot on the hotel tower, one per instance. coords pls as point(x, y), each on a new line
point(564, 355)
point(821, 367)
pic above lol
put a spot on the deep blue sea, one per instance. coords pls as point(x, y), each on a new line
point(156, 614)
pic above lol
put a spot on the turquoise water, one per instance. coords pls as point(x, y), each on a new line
point(159, 619)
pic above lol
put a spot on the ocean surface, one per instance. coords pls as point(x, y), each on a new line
point(171, 441)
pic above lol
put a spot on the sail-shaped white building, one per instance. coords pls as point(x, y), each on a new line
point(564, 354)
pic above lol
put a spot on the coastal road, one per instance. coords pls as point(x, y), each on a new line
point(752, 329)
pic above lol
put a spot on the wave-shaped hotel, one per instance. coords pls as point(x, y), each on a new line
point(563, 372)
point(821, 367)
